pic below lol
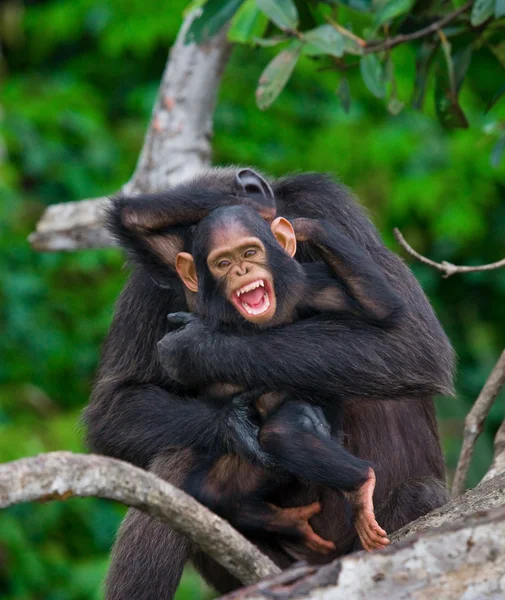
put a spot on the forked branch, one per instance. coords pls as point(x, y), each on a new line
point(61, 475)
point(445, 267)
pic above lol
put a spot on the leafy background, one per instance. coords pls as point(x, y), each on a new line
point(79, 80)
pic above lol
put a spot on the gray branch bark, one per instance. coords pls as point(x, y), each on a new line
point(463, 560)
point(455, 552)
point(460, 546)
point(474, 424)
point(61, 475)
point(498, 464)
point(176, 146)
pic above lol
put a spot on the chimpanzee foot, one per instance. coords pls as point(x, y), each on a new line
point(312, 420)
point(371, 535)
point(298, 518)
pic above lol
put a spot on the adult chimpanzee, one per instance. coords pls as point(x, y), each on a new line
point(386, 380)
point(241, 274)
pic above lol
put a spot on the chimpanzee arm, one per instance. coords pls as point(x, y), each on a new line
point(366, 285)
point(143, 420)
point(135, 411)
point(320, 356)
point(187, 205)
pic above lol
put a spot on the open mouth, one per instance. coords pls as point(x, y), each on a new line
point(254, 299)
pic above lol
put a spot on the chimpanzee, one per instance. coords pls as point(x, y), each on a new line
point(242, 276)
point(386, 379)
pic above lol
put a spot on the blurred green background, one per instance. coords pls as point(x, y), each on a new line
point(78, 82)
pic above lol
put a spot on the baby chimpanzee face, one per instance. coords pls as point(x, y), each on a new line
point(237, 256)
point(238, 261)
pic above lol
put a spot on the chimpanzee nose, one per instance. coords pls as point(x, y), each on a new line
point(242, 269)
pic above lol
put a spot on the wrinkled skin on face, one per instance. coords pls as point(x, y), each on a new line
point(238, 262)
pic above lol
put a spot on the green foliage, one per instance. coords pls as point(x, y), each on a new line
point(79, 80)
point(333, 32)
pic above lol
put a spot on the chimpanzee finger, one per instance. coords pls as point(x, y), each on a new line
point(181, 318)
point(246, 398)
point(303, 228)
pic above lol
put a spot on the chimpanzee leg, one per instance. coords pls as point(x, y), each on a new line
point(290, 437)
point(235, 489)
point(148, 557)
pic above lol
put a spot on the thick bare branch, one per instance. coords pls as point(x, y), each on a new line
point(447, 268)
point(463, 560)
point(498, 464)
point(474, 423)
point(486, 496)
point(176, 146)
point(61, 475)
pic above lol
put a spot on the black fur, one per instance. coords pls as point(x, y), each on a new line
point(385, 378)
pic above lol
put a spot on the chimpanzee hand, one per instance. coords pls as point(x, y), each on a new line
point(241, 430)
point(181, 319)
point(176, 350)
point(304, 228)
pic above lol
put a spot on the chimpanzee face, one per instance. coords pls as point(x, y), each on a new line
point(238, 263)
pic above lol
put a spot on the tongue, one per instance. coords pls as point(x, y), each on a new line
point(253, 297)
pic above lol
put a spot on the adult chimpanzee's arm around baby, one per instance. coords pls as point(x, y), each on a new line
point(322, 355)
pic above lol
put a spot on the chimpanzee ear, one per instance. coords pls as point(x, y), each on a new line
point(259, 190)
point(186, 269)
point(155, 250)
point(284, 234)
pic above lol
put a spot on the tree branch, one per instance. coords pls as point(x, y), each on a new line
point(176, 146)
point(498, 464)
point(474, 423)
point(61, 475)
point(487, 496)
point(446, 267)
point(455, 547)
point(373, 47)
point(465, 559)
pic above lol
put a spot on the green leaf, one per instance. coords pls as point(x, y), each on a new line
point(392, 9)
point(497, 151)
point(395, 106)
point(499, 52)
point(423, 63)
point(495, 98)
point(449, 112)
point(248, 24)
point(270, 42)
point(215, 15)
point(276, 74)
point(282, 12)
point(344, 94)
point(352, 47)
point(499, 9)
point(446, 48)
point(461, 60)
point(324, 40)
point(372, 73)
point(448, 109)
point(361, 5)
point(481, 11)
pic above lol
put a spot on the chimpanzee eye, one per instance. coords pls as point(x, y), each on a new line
point(222, 264)
point(249, 253)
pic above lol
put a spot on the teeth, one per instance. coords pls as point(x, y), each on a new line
point(250, 286)
point(258, 311)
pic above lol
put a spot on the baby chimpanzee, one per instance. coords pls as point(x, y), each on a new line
point(241, 275)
